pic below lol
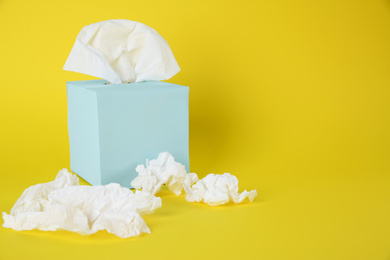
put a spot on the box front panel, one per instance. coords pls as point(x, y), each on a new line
point(140, 123)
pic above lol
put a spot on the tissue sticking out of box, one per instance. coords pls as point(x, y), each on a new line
point(214, 189)
point(122, 51)
point(64, 205)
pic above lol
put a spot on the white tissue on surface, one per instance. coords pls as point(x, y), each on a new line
point(64, 205)
point(215, 189)
point(122, 51)
point(160, 171)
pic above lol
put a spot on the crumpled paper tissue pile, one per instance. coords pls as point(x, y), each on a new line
point(214, 189)
point(63, 204)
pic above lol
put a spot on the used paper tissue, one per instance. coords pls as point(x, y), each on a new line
point(214, 189)
point(114, 126)
point(160, 171)
point(64, 205)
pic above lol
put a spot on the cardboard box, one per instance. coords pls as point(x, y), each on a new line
point(113, 128)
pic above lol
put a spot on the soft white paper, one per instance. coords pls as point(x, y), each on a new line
point(64, 205)
point(160, 171)
point(214, 189)
point(122, 51)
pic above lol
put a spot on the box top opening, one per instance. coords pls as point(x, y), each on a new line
point(101, 85)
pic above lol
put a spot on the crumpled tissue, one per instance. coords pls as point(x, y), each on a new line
point(214, 189)
point(160, 171)
point(122, 51)
point(64, 205)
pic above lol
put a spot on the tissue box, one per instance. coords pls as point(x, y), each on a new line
point(113, 128)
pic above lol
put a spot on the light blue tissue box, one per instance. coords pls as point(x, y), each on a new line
point(114, 128)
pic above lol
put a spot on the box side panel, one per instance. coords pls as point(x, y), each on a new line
point(83, 134)
point(136, 125)
point(178, 138)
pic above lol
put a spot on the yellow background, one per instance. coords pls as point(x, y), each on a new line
point(292, 97)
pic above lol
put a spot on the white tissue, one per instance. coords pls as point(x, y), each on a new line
point(64, 205)
point(160, 171)
point(215, 189)
point(122, 51)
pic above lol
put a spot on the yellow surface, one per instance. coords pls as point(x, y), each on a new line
point(292, 97)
